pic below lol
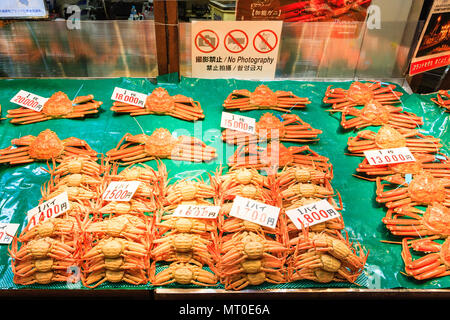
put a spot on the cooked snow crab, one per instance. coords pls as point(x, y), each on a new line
point(134, 207)
point(433, 265)
point(437, 167)
point(161, 102)
point(359, 94)
point(264, 98)
point(168, 248)
point(28, 268)
point(423, 189)
point(45, 146)
point(388, 137)
point(303, 174)
point(183, 273)
point(113, 247)
point(184, 191)
point(237, 247)
point(132, 276)
point(325, 257)
point(276, 155)
point(44, 277)
point(288, 127)
point(77, 164)
point(160, 144)
point(169, 224)
point(60, 228)
point(241, 280)
point(40, 248)
point(307, 190)
point(442, 99)
point(57, 106)
point(412, 221)
point(376, 114)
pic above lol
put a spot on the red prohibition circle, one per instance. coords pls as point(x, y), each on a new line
point(234, 40)
point(206, 41)
point(271, 47)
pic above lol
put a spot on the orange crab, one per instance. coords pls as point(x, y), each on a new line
point(57, 106)
point(45, 146)
point(433, 265)
point(264, 98)
point(183, 273)
point(277, 155)
point(388, 137)
point(289, 127)
point(359, 93)
point(442, 99)
point(376, 114)
point(161, 102)
point(411, 221)
point(423, 189)
point(160, 144)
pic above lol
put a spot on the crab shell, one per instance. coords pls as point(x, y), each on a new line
point(57, 105)
point(160, 101)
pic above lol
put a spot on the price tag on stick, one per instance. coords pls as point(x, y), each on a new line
point(120, 190)
point(198, 212)
point(49, 209)
point(127, 96)
point(29, 100)
point(311, 214)
point(7, 231)
point(254, 211)
point(389, 156)
point(238, 123)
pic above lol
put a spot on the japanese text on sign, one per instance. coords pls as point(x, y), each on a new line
point(120, 190)
point(29, 100)
point(196, 211)
point(49, 209)
point(389, 156)
point(311, 214)
point(238, 123)
point(238, 49)
point(7, 232)
point(127, 96)
point(255, 211)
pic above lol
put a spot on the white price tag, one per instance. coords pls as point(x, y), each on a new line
point(389, 156)
point(238, 122)
point(254, 211)
point(198, 212)
point(131, 97)
point(49, 209)
point(29, 100)
point(120, 190)
point(311, 214)
point(7, 231)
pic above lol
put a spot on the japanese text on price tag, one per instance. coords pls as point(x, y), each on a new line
point(254, 211)
point(29, 100)
point(7, 231)
point(120, 190)
point(311, 214)
point(193, 211)
point(49, 209)
point(388, 156)
point(131, 97)
point(238, 123)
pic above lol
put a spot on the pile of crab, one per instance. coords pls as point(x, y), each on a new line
point(416, 194)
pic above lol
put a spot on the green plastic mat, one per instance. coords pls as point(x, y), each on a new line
point(362, 215)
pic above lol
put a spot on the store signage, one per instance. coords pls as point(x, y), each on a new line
point(29, 100)
point(23, 9)
point(7, 232)
point(235, 49)
point(238, 122)
point(389, 156)
point(311, 214)
point(255, 211)
point(433, 48)
point(127, 96)
point(120, 190)
point(49, 209)
point(196, 211)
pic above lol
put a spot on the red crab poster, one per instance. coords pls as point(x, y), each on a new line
point(433, 48)
point(308, 10)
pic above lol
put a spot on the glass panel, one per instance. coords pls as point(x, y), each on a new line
point(110, 48)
